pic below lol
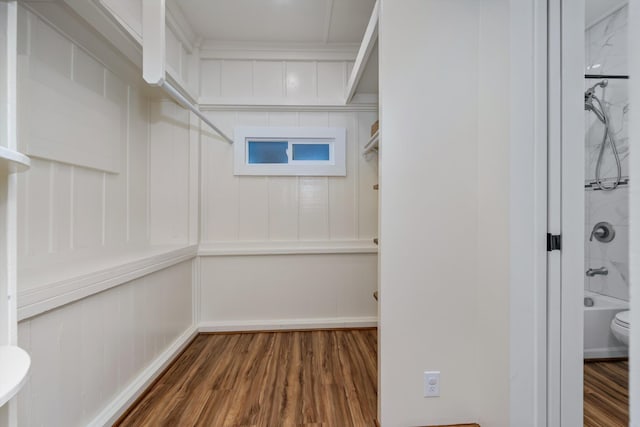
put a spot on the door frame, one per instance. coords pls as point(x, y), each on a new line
point(546, 196)
point(634, 207)
point(528, 213)
point(572, 215)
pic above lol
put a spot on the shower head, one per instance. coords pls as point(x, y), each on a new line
point(591, 92)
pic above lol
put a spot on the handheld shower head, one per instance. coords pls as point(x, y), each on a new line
point(591, 92)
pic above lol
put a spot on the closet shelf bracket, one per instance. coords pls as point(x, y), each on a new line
point(154, 58)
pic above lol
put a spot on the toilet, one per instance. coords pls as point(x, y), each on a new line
point(620, 327)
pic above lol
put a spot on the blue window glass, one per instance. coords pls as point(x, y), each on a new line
point(272, 152)
point(310, 151)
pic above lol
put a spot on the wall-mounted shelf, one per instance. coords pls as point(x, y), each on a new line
point(373, 144)
point(14, 366)
point(13, 161)
point(366, 47)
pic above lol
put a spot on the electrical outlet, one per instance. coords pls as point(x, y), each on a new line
point(431, 383)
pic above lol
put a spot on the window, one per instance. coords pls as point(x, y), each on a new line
point(289, 151)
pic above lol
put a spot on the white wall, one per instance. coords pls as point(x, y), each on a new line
point(105, 271)
point(254, 292)
point(258, 209)
point(241, 214)
point(443, 259)
point(232, 81)
point(71, 208)
point(267, 222)
point(84, 354)
point(492, 306)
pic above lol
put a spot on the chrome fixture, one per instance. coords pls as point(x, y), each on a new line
point(588, 302)
point(602, 271)
point(592, 103)
point(603, 232)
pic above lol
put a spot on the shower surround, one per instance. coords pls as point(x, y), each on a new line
point(606, 54)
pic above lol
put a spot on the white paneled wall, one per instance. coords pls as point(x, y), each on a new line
point(106, 216)
point(70, 205)
point(85, 353)
point(271, 215)
point(254, 208)
point(279, 218)
point(272, 291)
point(228, 81)
point(172, 146)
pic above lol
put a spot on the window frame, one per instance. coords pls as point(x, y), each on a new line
point(335, 137)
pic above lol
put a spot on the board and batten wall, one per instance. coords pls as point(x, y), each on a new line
point(280, 252)
point(107, 225)
point(86, 353)
point(444, 272)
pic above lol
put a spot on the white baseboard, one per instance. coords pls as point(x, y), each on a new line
point(121, 403)
point(606, 353)
point(289, 324)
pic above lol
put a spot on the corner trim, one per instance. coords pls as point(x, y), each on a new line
point(122, 401)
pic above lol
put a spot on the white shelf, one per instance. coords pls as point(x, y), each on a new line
point(14, 366)
point(14, 161)
point(373, 144)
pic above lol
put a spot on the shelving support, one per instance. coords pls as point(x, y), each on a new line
point(154, 58)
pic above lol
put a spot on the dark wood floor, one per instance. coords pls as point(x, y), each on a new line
point(319, 378)
point(606, 394)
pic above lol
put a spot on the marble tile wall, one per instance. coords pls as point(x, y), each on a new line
point(610, 206)
point(606, 53)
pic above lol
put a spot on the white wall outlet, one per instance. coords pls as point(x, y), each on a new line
point(431, 383)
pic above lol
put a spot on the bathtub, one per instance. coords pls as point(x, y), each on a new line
point(599, 342)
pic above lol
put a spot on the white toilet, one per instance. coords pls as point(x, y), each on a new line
point(620, 327)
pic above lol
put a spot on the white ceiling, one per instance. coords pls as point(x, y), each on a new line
point(598, 9)
point(279, 21)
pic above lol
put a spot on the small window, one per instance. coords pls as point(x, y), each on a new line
point(268, 152)
point(311, 151)
point(289, 151)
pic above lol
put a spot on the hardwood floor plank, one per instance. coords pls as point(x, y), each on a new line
point(319, 378)
point(606, 394)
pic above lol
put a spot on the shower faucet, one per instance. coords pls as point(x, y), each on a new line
point(603, 232)
point(602, 271)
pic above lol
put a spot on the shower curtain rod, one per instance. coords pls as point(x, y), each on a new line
point(606, 76)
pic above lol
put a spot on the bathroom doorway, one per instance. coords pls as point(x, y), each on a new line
point(588, 323)
point(606, 197)
point(588, 208)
